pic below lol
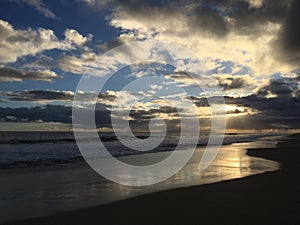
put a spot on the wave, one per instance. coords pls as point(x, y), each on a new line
point(33, 152)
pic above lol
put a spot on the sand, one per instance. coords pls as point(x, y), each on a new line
point(269, 198)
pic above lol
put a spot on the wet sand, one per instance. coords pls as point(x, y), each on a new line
point(269, 198)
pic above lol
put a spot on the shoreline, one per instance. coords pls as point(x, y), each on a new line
point(53, 161)
point(83, 163)
point(257, 199)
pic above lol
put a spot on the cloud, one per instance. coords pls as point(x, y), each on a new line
point(147, 114)
point(232, 83)
point(254, 33)
point(255, 3)
point(272, 113)
point(46, 96)
point(289, 38)
point(258, 113)
point(243, 43)
point(280, 87)
point(139, 119)
point(283, 107)
point(51, 113)
point(39, 95)
point(12, 74)
point(19, 43)
point(40, 6)
point(122, 39)
point(75, 64)
point(74, 37)
point(98, 4)
point(250, 112)
point(68, 63)
point(48, 113)
point(278, 98)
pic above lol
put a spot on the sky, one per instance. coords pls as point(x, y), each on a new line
point(250, 49)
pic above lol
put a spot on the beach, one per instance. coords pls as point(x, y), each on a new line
point(269, 198)
point(149, 112)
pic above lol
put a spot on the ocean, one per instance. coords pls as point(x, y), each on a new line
point(35, 149)
point(43, 173)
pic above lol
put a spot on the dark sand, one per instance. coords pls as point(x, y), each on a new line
point(271, 198)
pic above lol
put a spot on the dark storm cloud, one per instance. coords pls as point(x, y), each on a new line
point(246, 15)
point(63, 114)
point(51, 95)
point(13, 74)
point(290, 35)
point(48, 113)
point(199, 101)
point(286, 102)
point(270, 113)
point(107, 96)
point(261, 121)
point(152, 113)
point(277, 112)
point(139, 115)
point(218, 18)
point(283, 106)
point(202, 18)
point(280, 87)
point(232, 83)
point(39, 95)
point(51, 113)
point(248, 20)
point(209, 19)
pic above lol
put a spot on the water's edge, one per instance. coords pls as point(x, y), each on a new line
point(34, 193)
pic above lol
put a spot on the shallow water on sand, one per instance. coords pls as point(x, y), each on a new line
point(41, 192)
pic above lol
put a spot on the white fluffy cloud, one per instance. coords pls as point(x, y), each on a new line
point(16, 43)
point(74, 37)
